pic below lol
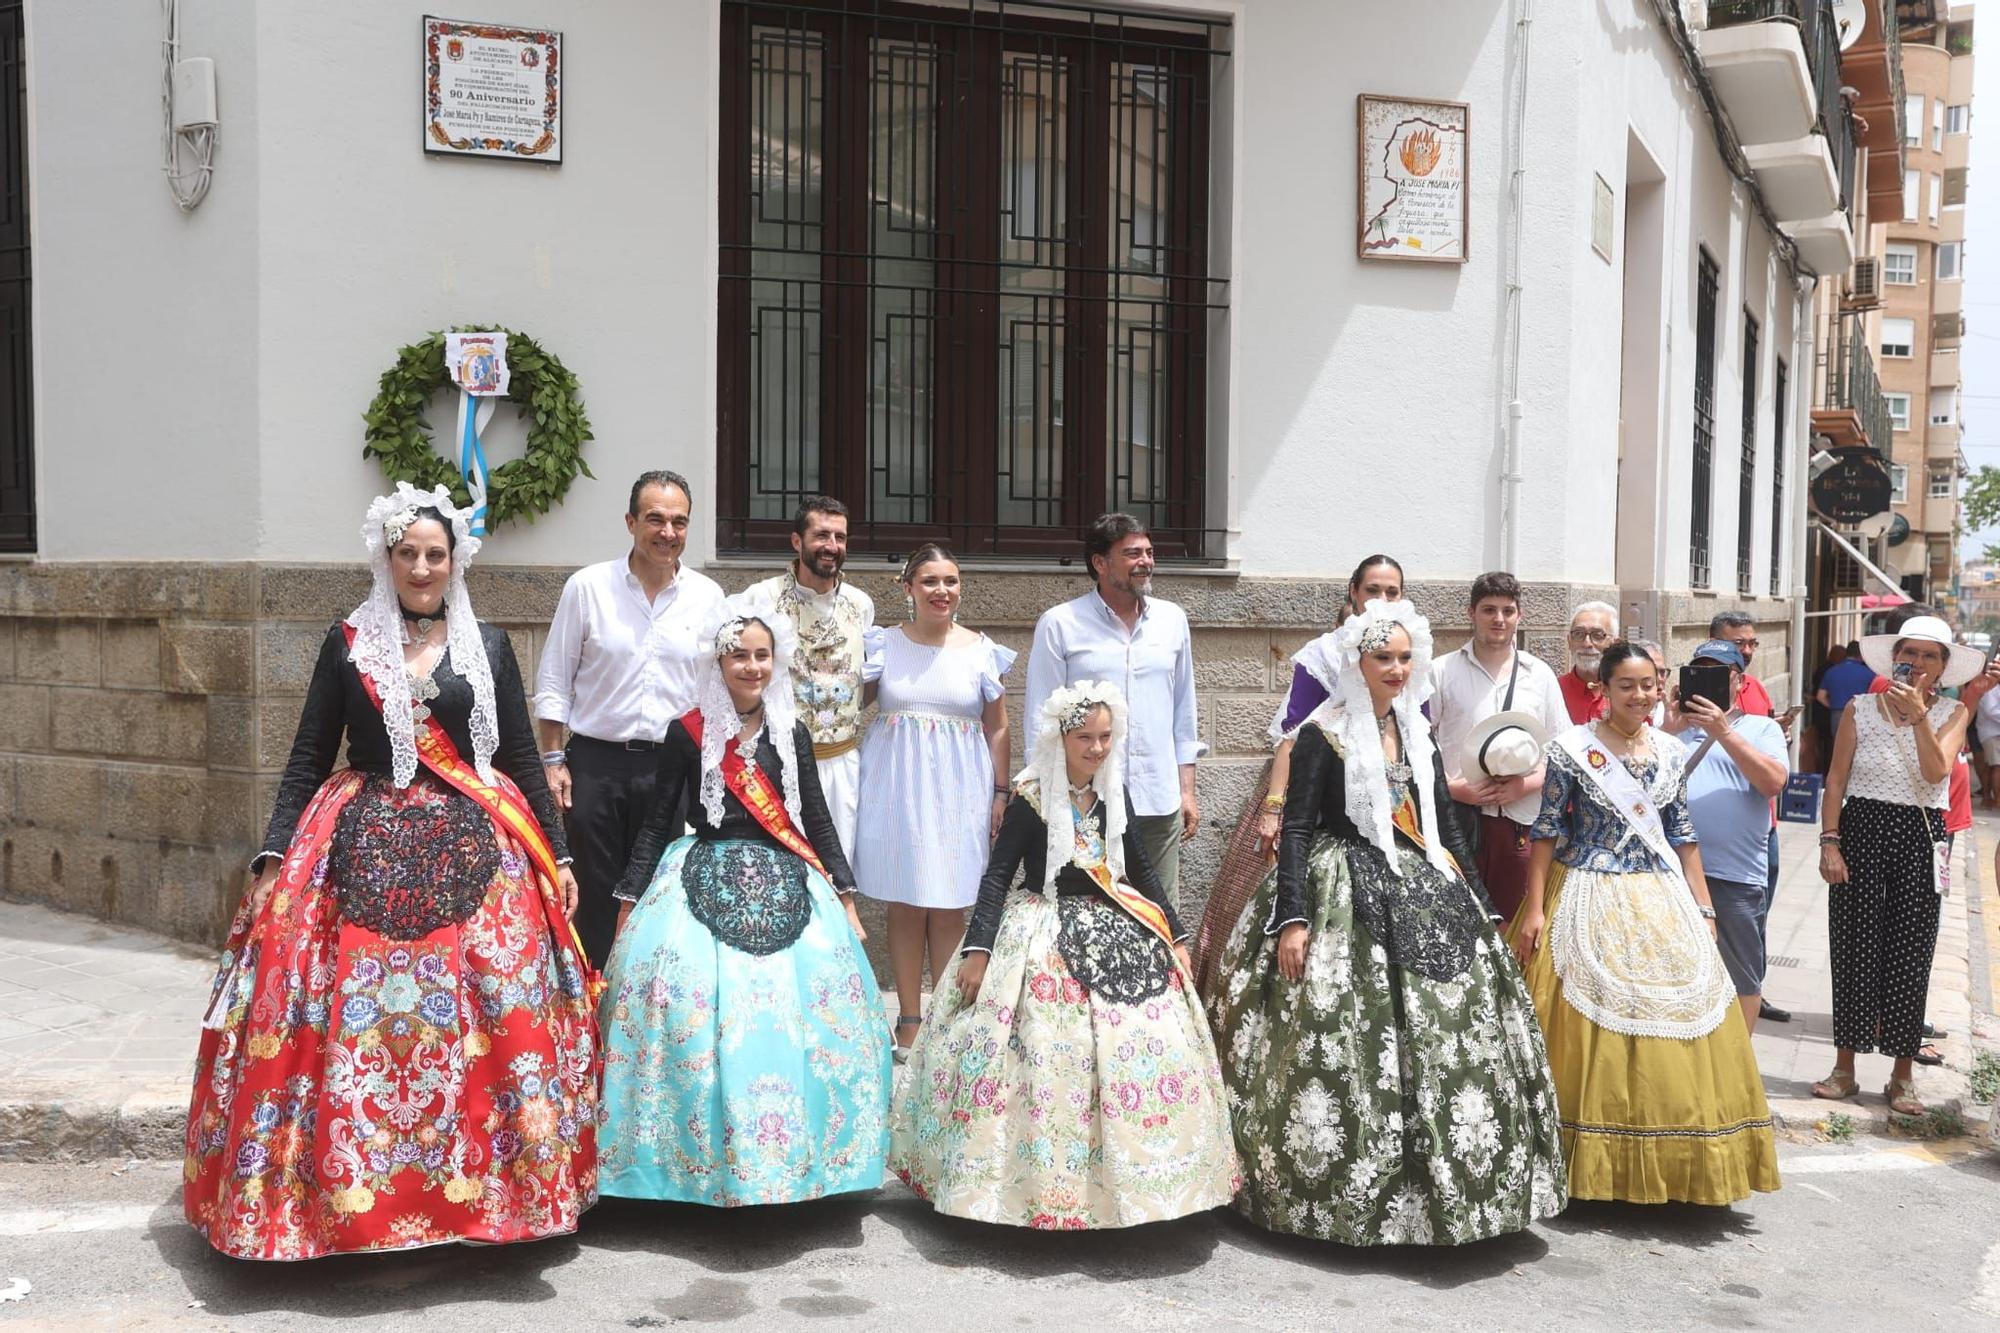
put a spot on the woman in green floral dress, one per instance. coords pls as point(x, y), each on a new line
point(1386, 1075)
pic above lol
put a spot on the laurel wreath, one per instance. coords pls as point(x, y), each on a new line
point(545, 393)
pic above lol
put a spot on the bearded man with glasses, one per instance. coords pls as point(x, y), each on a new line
point(1592, 629)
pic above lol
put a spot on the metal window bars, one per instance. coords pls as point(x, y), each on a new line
point(965, 271)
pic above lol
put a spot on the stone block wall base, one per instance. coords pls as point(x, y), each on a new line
point(150, 708)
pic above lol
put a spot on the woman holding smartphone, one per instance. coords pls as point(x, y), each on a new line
point(1883, 850)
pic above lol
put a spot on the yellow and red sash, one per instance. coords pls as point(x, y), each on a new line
point(1142, 909)
point(752, 786)
point(1136, 904)
point(503, 801)
point(1407, 822)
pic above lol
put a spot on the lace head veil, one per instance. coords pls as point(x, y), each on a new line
point(379, 634)
point(1348, 719)
point(719, 637)
point(1062, 712)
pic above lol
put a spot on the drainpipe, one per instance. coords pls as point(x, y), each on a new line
point(1804, 316)
point(1510, 465)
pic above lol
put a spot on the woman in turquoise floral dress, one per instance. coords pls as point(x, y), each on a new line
point(1386, 1074)
point(745, 1057)
point(1065, 1078)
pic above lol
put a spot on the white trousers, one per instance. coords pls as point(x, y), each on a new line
point(840, 780)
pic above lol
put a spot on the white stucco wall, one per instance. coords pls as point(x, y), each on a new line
point(145, 319)
point(1364, 400)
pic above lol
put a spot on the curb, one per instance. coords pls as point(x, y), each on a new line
point(147, 1126)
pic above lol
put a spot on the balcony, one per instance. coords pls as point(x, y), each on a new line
point(1941, 443)
point(1854, 413)
point(1768, 60)
point(1825, 242)
point(1873, 67)
point(1775, 65)
point(1947, 329)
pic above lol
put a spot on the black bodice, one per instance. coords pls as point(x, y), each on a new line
point(1023, 845)
point(1403, 917)
point(678, 789)
point(337, 706)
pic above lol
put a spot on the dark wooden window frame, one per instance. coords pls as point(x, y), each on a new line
point(1708, 282)
point(17, 395)
point(965, 437)
point(1746, 476)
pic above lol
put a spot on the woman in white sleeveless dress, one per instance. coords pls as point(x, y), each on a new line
point(931, 790)
point(1883, 816)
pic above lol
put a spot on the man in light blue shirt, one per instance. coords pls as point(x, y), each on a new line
point(1739, 764)
point(1119, 632)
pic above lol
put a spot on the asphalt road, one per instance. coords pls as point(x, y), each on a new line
point(1880, 1233)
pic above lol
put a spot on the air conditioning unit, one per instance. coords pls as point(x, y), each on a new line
point(1864, 288)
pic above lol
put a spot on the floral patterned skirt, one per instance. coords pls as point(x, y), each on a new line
point(1377, 1104)
point(735, 1077)
point(1050, 1104)
point(364, 1092)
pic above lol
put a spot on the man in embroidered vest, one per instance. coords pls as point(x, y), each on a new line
point(1591, 631)
point(832, 616)
point(618, 668)
point(1737, 765)
point(1120, 632)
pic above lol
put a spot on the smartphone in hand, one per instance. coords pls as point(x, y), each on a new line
point(1706, 680)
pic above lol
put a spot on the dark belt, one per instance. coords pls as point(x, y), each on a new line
point(592, 743)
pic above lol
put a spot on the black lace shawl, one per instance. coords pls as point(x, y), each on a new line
point(1024, 842)
point(1423, 918)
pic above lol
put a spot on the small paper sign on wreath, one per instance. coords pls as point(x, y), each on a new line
point(541, 386)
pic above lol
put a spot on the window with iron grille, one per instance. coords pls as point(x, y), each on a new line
point(1746, 477)
point(964, 272)
point(1780, 447)
point(17, 425)
point(1704, 422)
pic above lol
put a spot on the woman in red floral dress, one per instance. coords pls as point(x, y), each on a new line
point(400, 1050)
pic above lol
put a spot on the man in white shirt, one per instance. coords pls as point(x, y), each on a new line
point(1121, 633)
point(1491, 675)
point(832, 617)
point(618, 668)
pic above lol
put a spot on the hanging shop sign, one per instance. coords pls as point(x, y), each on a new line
point(492, 90)
point(1854, 489)
point(1412, 196)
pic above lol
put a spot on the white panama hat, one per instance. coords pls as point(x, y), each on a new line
point(1961, 664)
point(1506, 745)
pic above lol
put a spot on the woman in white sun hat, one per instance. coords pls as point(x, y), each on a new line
point(1883, 849)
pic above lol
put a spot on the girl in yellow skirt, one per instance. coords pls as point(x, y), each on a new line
point(1658, 1089)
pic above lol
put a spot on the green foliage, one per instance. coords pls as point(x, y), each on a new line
point(544, 393)
point(1985, 1077)
point(1840, 1127)
point(1980, 500)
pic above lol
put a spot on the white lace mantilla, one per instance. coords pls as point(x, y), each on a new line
point(379, 635)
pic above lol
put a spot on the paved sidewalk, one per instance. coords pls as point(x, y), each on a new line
point(98, 1028)
point(1800, 978)
point(98, 1024)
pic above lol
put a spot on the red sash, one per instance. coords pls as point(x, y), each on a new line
point(752, 786)
point(503, 801)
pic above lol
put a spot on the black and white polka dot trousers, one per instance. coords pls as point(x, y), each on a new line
point(1882, 925)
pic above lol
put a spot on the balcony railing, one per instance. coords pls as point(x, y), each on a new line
point(1846, 161)
point(1854, 387)
point(1819, 35)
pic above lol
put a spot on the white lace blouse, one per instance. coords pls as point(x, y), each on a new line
point(1885, 757)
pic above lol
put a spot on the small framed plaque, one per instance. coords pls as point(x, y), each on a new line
point(492, 90)
point(1412, 197)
